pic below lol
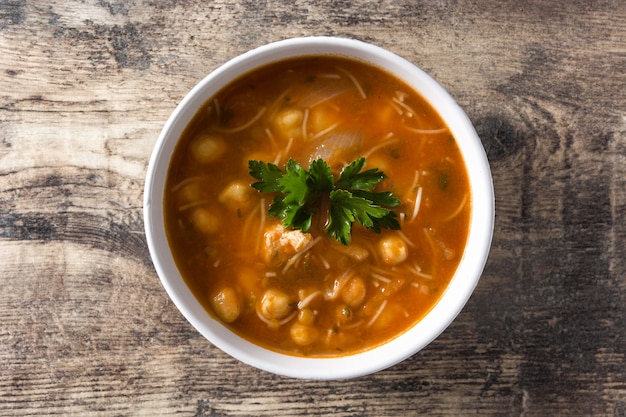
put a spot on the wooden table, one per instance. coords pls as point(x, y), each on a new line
point(87, 329)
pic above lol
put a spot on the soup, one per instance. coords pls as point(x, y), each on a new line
point(304, 292)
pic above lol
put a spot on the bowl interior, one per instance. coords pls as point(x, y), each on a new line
point(461, 285)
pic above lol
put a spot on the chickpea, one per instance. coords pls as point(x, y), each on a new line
point(303, 334)
point(190, 192)
point(208, 148)
point(343, 314)
point(275, 304)
point(256, 156)
point(392, 313)
point(235, 194)
point(226, 304)
point(393, 250)
point(205, 220)
point(306, 316)
point(353, 293)
point(289, 123)
point(382, 162)
point(321, 118)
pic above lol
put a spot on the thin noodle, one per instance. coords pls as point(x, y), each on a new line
point(401, 94)
point(324, 262)
point(262, 317)
point(288, 318)
point(272, 322)
point(270, 135)
point(432, 245)
point(416, 178)
point(251, 217)
point(354, 81)
point(325, 131)
point(418, 203)
point(187, 181)
point(297, 256)
point(380, 310)
point(405, 106)
point(353, 325)
point(326, 99)
point(194, 204)
point(338, 284)
point(331, 76)
point(307, 300)
point(380, 271)
point(333, 106)
point(402, 216)
point(418, 271)
point(423, 275)
point(288, 147)
point(458, 210)
point(329, 333)
point(279, 156)
point(273, 108)
point(259, 235)
point(245, 125)
point(380, 278)
point(381, 145)
point(405, 238)
point(426, 131)
point(305, 120)
point(397, 108)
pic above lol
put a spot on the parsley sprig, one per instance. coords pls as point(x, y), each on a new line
point(301, 193)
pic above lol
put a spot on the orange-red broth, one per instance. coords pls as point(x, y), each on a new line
point(326, 299)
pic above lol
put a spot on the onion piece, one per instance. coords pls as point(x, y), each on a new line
point(322, 95)
point(336, 142)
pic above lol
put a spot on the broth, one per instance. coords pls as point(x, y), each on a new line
point(306, 294)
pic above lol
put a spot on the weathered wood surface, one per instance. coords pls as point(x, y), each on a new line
point(87, 329)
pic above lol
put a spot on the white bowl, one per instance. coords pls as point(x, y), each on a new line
point(462, 284)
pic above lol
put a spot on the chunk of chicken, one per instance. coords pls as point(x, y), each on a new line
point(280, 243)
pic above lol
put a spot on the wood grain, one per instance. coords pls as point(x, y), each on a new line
point(87, 329)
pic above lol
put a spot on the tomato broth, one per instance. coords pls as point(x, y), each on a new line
point(304, 293)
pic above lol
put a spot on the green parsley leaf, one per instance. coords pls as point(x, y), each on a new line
point(347, 206)
point(267, 174)
point(299, 193)
point(352, 179)
point(293, 183)
point(321, 180)
point(382, 198)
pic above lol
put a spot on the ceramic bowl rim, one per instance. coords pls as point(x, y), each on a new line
point(441, 315)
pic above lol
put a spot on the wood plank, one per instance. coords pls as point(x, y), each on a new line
point(87, 329)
